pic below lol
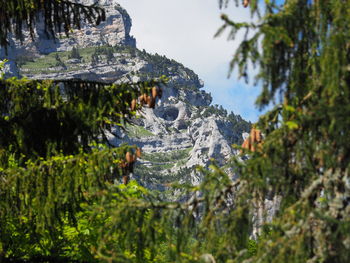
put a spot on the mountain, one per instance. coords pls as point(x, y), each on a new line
point(183, 131)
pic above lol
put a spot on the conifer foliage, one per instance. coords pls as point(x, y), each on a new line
point(54, 156)
point(56, 202)
point(58, 15)
point(302, 48)
point(54, 148)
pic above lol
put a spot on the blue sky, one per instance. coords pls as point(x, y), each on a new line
point(184, 30)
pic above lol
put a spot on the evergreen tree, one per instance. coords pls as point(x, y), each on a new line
point(302, 49)
point(56, 204)
point(58, 16)
point(59, 62)
point(303, 53)
point(109, 54)
point(74, 54)
point(94, 58)
point(54, 154)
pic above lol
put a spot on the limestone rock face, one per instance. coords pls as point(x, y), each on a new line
point(180, 136)
point(114, 31)
point(183, 131)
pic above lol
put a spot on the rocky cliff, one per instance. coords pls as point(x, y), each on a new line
point(182, 132)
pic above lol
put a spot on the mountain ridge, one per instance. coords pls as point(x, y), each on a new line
point(184, 125)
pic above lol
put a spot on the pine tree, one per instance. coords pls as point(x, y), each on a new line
point(94, 58)
point(302, 50)
point(74, 54)
point(54, 151)
point(59, 16)
point(109, 55)
point(303, 53)
point(56, 204)
point(59, 62)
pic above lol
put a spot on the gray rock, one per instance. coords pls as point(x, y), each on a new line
point(182, 132)
point(114, 31)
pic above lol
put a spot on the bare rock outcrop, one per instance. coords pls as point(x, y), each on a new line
point(114, 31)
point(183, 131)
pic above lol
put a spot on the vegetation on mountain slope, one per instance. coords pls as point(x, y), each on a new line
point(59, 207)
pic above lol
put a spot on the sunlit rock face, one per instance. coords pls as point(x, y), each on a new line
point(183, 131)
point(114, 31)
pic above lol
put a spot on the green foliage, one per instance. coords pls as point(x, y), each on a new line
point(58, 16)
point(70, 241)
point(302, 49)
point(239, 124)
point(252, 247)
point(107, 54)
point(171, 156)
point(137, 131)
point(53, 166)
point(214, 110)
point(155, 169)
point(48, 63)
point(94, 59)
point(40, 118)
point(57, 206)
point(74, 54)
point(59, 62)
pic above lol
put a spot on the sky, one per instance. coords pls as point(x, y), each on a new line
point(184, 30)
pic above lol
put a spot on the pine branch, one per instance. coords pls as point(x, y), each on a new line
point(58, 15)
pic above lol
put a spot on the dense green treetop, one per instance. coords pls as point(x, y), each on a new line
point(302, 49)
point(54, 153)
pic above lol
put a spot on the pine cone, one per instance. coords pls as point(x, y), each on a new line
point(138, 152)
point(133, 105)
point(245, 3)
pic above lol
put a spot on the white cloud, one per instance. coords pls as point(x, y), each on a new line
point(184, 30)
